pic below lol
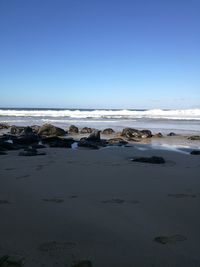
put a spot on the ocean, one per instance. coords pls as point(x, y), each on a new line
point(180, 121)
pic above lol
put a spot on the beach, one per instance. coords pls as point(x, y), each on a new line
point(76, 204)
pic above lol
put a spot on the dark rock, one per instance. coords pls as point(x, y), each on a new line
point(194, 137)
point(195, 152)
point(83, 263)
point(171, 134)
point(8, 146)
point(50, 130)
point(87, 144)
point(55, 141)
point(116, 141)
point(35, 128)
point(2, 152)
point(4, 126)
point(26, 131)
point(158, 135)
point(94, 136)
point(86, 130)
point(16, 129)
point(133, 134)
point(30, 152)
point(153, 160)
point(129, 133)
point(73, 129)
point(25, 137)
point(146, 134)
point(108, 131)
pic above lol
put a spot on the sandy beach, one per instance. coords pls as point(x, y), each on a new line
point(98, 205)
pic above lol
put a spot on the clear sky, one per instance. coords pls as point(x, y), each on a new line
point(100, 53)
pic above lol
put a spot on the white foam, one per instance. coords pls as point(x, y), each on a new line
point(178, 114)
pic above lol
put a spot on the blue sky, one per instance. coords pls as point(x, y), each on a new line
point(100, 53)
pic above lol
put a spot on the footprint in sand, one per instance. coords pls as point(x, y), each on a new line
point(113, 201)
point(56, 246)
point(182, 195)
point(169, 239)
point(119, 201)
point(73, 196)
point(3, 201)
point(56, 200)
point(39, 167)
point(23, 176)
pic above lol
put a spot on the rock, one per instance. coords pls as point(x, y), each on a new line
point(171, 134)
point(8, 146)
point(87, 144)
point(131, 134)
point(73, 129)
point(16, 129)
point(4, 126)
point(116, 141)
point(30, 152)
point(86, 130)
point(35, 128)
point(83, 263)
point(2, 152)
point(26, 137)
point(195, 152)
point(26, 131)
point(50, 130)
point(108, 131)
point(146, 134)
point(153, 160)
point(94, 136)
point(55, 141)
point(158, 135)
point(194, 137)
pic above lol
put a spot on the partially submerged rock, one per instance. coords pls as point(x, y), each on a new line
point(108, 131)
point(171, 134)
point(116, 141)
point(55, 141)
point(86, 130)
point(195, 152)
point(4, 126)
point(158, 135)
point(152, 160)
point(73, 129)
point(94, 136)
point(131, 133)
point(16, 129)
point(194, 137)
point(93, 141)
point(50, 130)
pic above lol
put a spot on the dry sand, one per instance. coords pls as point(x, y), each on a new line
point(98, 205)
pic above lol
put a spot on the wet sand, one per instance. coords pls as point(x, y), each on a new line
point(70, 205)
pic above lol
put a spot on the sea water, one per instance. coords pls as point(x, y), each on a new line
point(181, 121)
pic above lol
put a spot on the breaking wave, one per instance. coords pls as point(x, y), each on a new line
point(178, 114)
